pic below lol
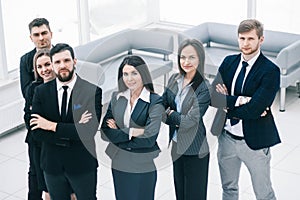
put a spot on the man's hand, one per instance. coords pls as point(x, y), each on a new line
point(243, 100)
point(85, 117)
point(221, 88)
point(39, 122)
point(265, 112)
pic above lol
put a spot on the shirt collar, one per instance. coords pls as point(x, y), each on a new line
point(180, 81)
point(252, 60)
point(145, 95)
point(70, 84)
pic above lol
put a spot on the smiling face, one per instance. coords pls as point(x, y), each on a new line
point(189, 60)
point(63, 65)
point(44, 68)
point(132, 78)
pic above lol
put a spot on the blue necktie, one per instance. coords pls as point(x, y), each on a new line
point(63, 111)
point(238, 87)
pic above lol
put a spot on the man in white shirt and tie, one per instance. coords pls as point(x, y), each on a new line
point(244, 121)
point(68, 155)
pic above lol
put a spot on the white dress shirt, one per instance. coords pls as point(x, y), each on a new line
point(145, 96)
point(60, 91)
point(238, 129)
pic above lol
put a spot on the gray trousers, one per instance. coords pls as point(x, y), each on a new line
point(231, 154)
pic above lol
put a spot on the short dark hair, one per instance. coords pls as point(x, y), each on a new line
point(37, 22)
point(251, 24)
point(198, 78)
point(61, 47)
point(141, 66)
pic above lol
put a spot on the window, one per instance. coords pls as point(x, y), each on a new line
point(62, 19)
point(109, 16)
point(106, 17)
point(280, 15)
point(194, 12)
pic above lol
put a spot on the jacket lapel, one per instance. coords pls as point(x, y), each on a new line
point(119, 110)
point(231, 72)
point(253, 71)
point(186, 104)
point(138, 110)
point(53, 93)
point(173, 91)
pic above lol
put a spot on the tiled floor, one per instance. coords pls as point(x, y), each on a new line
point(285, 162)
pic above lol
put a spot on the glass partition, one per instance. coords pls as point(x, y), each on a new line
point(194, 12)
point(280, 15)
point(109, 16)
point(62, 16)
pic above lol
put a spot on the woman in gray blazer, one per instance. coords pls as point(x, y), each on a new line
point(186, 99)
point(131, 126)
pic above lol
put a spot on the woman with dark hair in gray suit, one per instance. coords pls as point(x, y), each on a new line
point(131, 126)
point(186, 99)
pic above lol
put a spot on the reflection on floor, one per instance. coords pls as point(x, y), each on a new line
point(285, 162)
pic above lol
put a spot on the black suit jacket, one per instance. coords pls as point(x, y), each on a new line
point(26, 80)
point(261, 84)
point(72, 147)
point(26, 71)
point(27, 109)
point(191, 132)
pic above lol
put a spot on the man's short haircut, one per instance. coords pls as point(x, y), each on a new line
point(60, 47)
point(251, 24)
point(37, 22)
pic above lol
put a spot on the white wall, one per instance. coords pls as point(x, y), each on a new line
point(11, 106)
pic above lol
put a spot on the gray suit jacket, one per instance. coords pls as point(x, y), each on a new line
point(191, 132)
point(136, 154)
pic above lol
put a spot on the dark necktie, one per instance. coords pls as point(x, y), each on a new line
point(238, 87)
point(240, 79)
point(64, 103)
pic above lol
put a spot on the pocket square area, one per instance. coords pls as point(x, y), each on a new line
point(76, 106)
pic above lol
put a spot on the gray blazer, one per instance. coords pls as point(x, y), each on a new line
point(191, 132)
point(136, 154)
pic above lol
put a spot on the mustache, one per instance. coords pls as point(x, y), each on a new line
point(63, 69)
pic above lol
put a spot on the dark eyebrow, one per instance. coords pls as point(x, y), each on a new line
point(42, 33)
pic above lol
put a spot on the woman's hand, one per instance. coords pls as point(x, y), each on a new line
point(85, 117)
point(137, 132)
point(111, 123)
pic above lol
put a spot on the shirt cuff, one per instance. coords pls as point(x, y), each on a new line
point(237, 103)
point(130, 133)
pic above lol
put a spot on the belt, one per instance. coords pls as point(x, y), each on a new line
point(235, 137)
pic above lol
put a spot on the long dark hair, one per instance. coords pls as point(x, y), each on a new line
point(198, 78)
point(141, 66)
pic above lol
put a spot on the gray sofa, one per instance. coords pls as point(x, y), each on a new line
point(220, 40)
point(99, 60)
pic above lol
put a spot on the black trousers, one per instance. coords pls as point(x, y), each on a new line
point(34, 192)
point(134, 186)
point(60, 186)
point(190, 177)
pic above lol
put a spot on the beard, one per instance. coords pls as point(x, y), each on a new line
point(67, 77)
point(252, 51)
